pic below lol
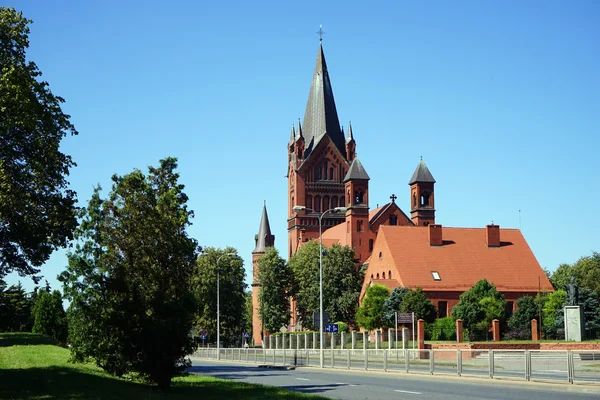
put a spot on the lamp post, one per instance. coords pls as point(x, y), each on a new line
point(335, 210)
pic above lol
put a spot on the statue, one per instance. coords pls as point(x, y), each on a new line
point(573, 291)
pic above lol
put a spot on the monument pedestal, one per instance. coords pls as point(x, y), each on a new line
point(574, 323)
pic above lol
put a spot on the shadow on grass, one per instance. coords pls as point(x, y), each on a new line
point(64, 383)
point(23, 339)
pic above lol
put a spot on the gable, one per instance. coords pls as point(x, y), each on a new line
point(382, 217)
point(325, 151)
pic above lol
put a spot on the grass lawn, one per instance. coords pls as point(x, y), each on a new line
point(31, 368)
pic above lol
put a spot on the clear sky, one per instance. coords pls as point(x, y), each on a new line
point(502, 100)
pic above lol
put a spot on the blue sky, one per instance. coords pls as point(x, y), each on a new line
point(502, 100)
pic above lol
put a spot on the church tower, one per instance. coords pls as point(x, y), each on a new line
point(356, 186)
point(422, 200)
point(263, 240)
point(318, 160)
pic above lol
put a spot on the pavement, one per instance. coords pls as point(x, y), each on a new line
point(361, 385)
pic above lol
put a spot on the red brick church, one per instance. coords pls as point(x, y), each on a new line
point(324, 173)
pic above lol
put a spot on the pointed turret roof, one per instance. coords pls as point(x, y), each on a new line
point(356, 171)
point(320, 117)
point(421, 174)
point(293, 135)
point(350, 136)
point(264, 238)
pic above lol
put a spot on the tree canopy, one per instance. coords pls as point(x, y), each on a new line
point(341, 282)
point(50, 316)
point(416, 301)
point(586, 271)
point(275, 279)
point(519, 324)
point(37, 209)
point(392, 304)
point(370, 314)
point(232, 298)
point(128, 279)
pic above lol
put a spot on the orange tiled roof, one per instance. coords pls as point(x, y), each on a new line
point(335, 234)
point(464, 259)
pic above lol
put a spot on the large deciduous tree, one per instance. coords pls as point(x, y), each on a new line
point(416, 301)
point(370, 314)
point(232, 298)
point(129, 278)
point(37, 210)
point(275, 278)
point(341, 282)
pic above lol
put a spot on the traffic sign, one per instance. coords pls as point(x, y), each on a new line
point(203, 333)
point(203, 337)
point(246, 334)
point(283, 329)
point(317, 319)
point(333, 328)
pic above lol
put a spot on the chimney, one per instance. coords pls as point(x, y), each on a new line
point(435, 234)
point(492, 235)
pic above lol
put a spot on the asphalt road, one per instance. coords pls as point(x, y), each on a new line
point(361, 385)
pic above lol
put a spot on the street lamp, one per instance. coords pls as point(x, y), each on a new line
point(218, 302)
point(336, 210)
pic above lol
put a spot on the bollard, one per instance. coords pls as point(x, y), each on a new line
point(343, 340)
point(353, 339)
point(377, 339)
point(315, 337)
point(365, 340)
point(390, 339)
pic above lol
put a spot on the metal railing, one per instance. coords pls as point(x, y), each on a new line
point(573, 366)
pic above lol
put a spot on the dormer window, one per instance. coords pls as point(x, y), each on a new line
point(436, 276)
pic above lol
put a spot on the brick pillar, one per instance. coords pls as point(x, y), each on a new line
point(496, 330)
point(534, 330)
point(459, 331)
point(421, 334)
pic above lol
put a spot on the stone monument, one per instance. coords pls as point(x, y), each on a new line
point(574, 320)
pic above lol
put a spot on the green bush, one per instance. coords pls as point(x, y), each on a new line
point(444, 329)
point(342, 326)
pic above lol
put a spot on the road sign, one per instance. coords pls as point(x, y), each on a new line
point(246, 334)
point(203, 337)
point(333, 328)
point(283, 329)
point(202, 333)
point(317, 319)
point(404, 318)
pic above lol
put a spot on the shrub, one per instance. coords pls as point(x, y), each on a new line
point(444, 329)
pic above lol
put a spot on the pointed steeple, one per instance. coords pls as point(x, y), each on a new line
point(320, 117)
point(350, 136)
point(264, 238)
point(293, 135)
point(421, 174)
point(356, 171)
point(299, 130)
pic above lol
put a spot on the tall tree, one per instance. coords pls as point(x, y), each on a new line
point(561, 277)
point(519, 324)
point(128, 279)
point(370, 314)
point(50, 316)
point(392, 304)
point(232, 300)
point(37, 210)
point(587, 272)
point(16, 305)
point(341, 282)
point(416, 301)
point(275, 278)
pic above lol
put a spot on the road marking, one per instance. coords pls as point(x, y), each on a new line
point(341, 383)
point(406, 391)
point(352, 385)
point(303, 379)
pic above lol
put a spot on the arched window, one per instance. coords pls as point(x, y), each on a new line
point(330, 174)
point(414, 200)
point(334, 201)
point(325, 203)
point(348, 197)
point(319, 173)
point(425, 199)
point(341, 201)
point(371, 276)
point(380, 255)
point(378, 276)
point(370, 244)
point(383, 275)
point(359, 197)
point(309, 202)
point(389, 274)
point(393, 219)
point(318, 203)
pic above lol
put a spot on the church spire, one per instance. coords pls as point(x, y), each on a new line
point(320, 117)
point(264, 238)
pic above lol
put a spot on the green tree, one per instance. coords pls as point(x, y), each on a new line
point(37, 210)
point(275, 278)
point(15, 307)
point(561, 277)
point(587, 272)
point(232, 300)
point(370, 314)
point(553, 303)
point(478, 307)
point(416, 301)
point(519, 324)
point(392, 304)
point(248, 312)
point(50, 316)
point(128, 279)
point(342, 282)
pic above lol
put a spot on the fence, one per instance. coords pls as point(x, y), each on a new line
point(573, 366)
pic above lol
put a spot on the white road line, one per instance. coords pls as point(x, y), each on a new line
point(341, 383)
point(352, 385)
point(303, 379)
point(406, 391)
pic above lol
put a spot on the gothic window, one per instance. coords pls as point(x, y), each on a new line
point(317, 204)
point(425, 199)
point(359, 226)
point(383, 275)
point(414, 200)
point(370, 244)
point(348, 198)
point(393, 219)
point(319, 171)
point(390, 274)
point(371, 276)
point(325, 203)
point(309, 202)
point(334, 201)
point(378, 276)
point(359, 197)
point(341, 201)
point(330, 174)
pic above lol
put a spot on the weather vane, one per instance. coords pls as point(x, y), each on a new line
point(320, 33)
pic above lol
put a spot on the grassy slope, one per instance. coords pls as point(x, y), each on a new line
point(41, 371)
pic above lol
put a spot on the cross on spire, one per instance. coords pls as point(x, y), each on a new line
point(393, 197)
point(320, 33)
